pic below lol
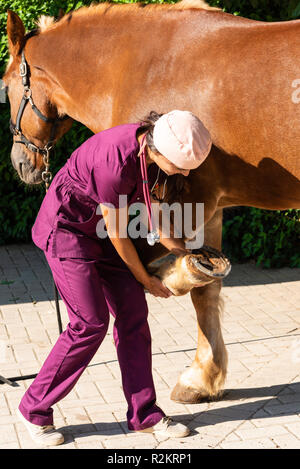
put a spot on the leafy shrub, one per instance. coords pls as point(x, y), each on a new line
point(19, 203)
point(266, 10)
point(270, 237)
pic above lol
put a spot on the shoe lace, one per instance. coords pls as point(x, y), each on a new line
point(48, 428)
point(167, 421)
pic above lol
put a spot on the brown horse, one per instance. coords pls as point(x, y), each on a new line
point(110, 64)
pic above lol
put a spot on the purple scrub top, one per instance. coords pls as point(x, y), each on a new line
point(103, 167)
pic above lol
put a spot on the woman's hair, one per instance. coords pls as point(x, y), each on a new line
point(177, 183)
point(148, 125)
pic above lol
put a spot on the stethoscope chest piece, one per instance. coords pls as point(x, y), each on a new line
point(153, 237)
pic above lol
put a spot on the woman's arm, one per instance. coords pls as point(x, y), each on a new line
point(126, 250)
point(175, 245)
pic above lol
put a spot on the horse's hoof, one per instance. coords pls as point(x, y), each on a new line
point(184, 395)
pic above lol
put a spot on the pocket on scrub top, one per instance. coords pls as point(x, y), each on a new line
point(78, 210)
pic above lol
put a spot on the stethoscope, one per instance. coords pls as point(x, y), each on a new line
point(153, 236)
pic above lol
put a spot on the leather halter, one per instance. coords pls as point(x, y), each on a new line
point(16, 128)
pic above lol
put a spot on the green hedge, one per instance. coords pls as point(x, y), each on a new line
point(19, 203)
point(268, 237)
point(266, 10)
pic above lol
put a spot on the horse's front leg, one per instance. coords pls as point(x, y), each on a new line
point(204, 379)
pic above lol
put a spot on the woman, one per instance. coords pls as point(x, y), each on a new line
point(97, 276)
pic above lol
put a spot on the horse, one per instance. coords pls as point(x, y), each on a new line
point(106, 64)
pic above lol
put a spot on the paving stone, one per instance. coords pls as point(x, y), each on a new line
point(271, 430)
point(85, 389)
point(294, 428)
point(290, 398)
point(261, 325)
point(264, 419)
point(220, 430)
point(231, 438)
point(287, 441)
point(130, 441)
point(190, 442)
point(283, 409)
point(11, 445)
point(264, 443)
point(7, 434)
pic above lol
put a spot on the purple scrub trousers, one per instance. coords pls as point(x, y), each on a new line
point(90, 290)
point(92, 279)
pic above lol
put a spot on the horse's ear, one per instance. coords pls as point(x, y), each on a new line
point(15, 33)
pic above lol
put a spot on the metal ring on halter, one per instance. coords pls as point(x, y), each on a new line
point(46, 176)
point(48, 147)
point(27, 93)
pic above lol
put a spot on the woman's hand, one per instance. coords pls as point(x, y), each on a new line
point(128, 253)
point(155, 286)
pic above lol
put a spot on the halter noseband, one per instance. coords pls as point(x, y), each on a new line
point(16, 128)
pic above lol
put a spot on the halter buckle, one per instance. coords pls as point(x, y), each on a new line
point(32, 147)
point(23, 69)
point(17, 132)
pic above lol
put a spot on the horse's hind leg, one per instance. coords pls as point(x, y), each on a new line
point(206, 376)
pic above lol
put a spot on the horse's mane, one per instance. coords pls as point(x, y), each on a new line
point(193, 4)
point(44, 23)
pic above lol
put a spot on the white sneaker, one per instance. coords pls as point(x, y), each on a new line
point(167, 427)
point(42, 435)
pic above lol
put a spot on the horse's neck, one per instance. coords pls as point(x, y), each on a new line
point(90, 65)
point(73, 70)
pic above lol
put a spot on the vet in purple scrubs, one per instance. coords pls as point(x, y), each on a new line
point(93, 280)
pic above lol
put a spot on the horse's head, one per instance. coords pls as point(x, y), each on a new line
point(35, 122)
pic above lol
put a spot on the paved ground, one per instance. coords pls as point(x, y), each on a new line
point(261, 324)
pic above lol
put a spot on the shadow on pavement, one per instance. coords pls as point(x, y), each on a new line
point(264, 408)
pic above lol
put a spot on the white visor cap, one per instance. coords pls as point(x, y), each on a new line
point(182, 138)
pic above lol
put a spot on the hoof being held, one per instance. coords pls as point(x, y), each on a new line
point(181, 274)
